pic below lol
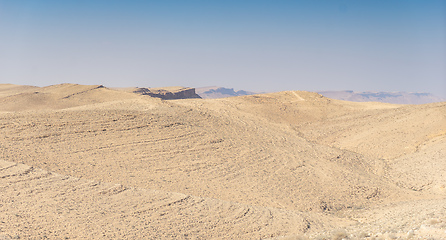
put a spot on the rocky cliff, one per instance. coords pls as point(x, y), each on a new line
point(168, 92)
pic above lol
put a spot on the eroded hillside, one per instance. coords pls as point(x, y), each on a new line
point(315, 161)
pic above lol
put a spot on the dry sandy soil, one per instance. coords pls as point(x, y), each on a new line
point(88, 162)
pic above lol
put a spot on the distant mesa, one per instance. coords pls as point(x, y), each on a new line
point(168, 92)
point(385, 97)
point(221, 92)
point(165, 93)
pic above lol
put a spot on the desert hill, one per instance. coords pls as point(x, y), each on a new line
point(20, 98)
point(301, 158)
point(12, 89)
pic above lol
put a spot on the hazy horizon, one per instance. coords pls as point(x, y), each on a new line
point(251, 45)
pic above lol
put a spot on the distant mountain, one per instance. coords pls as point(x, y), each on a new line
point(220, 92)
point(386, 97)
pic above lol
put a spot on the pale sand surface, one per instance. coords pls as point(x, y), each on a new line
point(91, 162)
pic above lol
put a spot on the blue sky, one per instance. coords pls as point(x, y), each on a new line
point(252, 45)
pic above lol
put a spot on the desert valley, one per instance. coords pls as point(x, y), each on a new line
point(91, 162)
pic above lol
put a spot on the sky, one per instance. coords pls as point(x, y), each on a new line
point(261, 45)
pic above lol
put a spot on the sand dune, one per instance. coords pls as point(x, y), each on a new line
point(289, 163)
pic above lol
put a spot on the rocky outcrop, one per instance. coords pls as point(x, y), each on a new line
point(169, 92)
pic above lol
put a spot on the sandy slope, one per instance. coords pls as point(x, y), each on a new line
point(38, 204)
point(316, 164)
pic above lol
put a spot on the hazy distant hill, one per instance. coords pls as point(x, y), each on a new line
point(386, 97)
point(220, 92)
